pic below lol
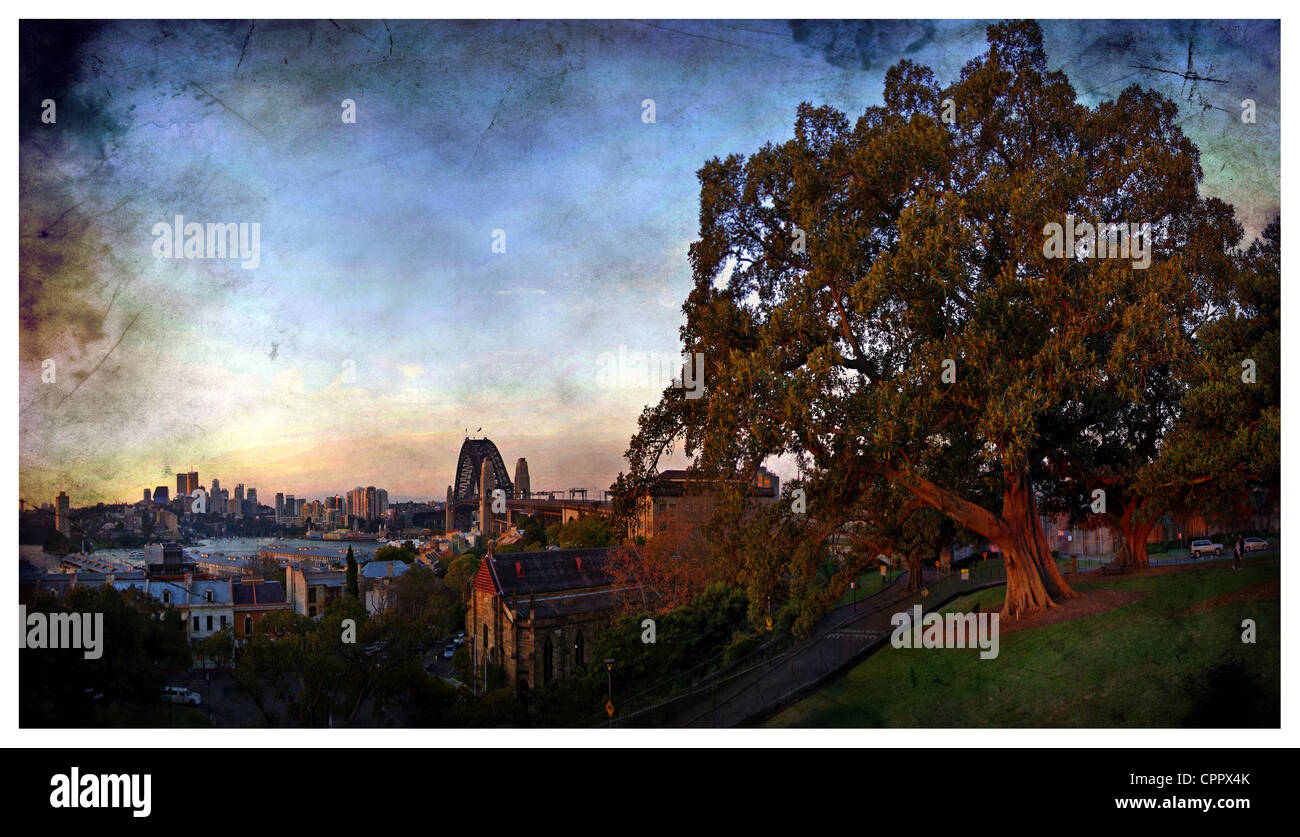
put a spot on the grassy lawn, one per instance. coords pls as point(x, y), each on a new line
point(1145, 664)
point(868, 584)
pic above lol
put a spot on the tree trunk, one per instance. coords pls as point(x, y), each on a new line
point(1033, 579)
point(1132, 536)
point(915, 575)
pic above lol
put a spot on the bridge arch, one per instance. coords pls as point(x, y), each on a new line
point(469, 466)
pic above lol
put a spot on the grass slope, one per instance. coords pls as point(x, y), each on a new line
point(1146, 664)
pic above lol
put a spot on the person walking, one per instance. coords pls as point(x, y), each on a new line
point(1236, 553)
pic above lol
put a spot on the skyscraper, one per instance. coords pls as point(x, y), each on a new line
point(252, 501)
point(237, 502)
point(146, 495)
point(279, 503)
point(191, 482)
point(63, 505)
point(182, 481)
point(160, 495)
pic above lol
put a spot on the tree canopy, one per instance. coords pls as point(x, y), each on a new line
point(882, 300)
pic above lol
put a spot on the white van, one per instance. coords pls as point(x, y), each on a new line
point(180, 694)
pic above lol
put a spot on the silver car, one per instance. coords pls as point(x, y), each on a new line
point(1253, 544)
point(1205, 547)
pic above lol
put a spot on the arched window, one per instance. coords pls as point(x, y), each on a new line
point(578, 651)
point(482, 646)
point(548, 661)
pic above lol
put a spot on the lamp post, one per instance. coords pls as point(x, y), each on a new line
point(609, 679)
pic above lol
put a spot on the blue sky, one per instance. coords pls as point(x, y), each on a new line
point(379, 323)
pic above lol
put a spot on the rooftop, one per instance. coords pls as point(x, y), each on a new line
point(530, 573)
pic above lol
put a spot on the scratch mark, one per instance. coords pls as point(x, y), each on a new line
point(245, 46)
point(509, 87)
point(120, 338)
point(228, 108)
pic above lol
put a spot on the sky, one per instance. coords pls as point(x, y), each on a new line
point(381, 325)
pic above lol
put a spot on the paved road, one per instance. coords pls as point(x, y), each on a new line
point(839, 640)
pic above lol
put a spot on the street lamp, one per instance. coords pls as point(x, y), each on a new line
point(609, 678)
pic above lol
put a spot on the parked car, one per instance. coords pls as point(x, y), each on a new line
point(458, 641)
point(1253, 544)
point(180, 694)
point(1205, 547)
point(449, 651)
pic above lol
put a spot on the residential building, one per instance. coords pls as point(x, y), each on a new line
point(311, 590)
point(378, 580)
point(253, 599)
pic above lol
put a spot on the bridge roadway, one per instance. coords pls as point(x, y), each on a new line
point(548, 510)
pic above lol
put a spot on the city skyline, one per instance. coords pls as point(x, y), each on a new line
point(378, 324)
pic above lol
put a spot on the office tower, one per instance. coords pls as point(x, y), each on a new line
point(237, 509)
point(252, 501)
point(146, 495)
point(160, 495)
point(216, 487)
point(191, 482)
point(62, 505)
point(279, 504)
point(299, 504)
point(381, 502)
point(448, 524)
point(290, 506)
point(182, 480)
point(225, 501)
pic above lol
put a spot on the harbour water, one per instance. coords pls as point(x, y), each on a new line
point(219, 547)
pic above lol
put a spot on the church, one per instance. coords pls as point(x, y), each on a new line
point(537, 614)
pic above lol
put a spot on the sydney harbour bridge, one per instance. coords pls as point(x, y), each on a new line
point(480, 471)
